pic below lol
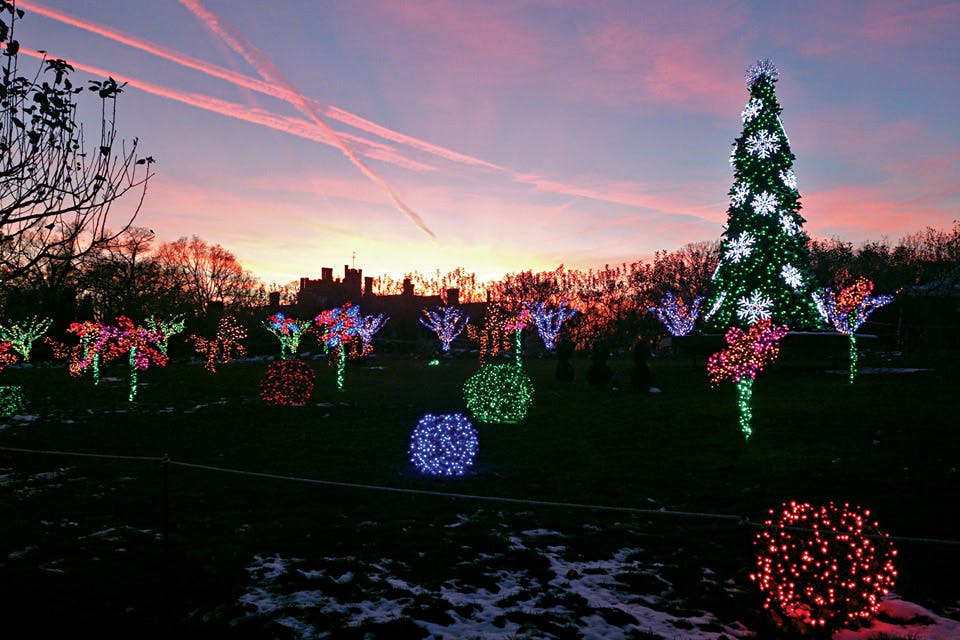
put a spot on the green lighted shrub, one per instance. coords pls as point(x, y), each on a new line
point(11, 401)
point(499, 393)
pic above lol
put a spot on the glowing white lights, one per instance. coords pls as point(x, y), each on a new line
point(788, 223)
point(740, 247)
point(789, 179)
point(754, 308)
point(763, 68)
point(741, 191)
point(763, 144)
point(443, 445)
point(752, 110)
point(446, 322)
point(764, 203)
point(792, 276)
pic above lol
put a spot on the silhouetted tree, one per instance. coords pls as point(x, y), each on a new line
point(123, 278)
point(55, 190)
point(202, 273)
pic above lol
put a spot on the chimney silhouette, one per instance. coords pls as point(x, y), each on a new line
point(453, 297)
point(407, 287)
point(368, 286)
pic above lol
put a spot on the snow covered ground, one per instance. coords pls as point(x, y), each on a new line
point(592, 598)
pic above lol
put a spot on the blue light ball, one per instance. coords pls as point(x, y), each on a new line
point(443, 445)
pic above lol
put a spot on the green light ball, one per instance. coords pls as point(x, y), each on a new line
point(499, 393)
point(11, 401)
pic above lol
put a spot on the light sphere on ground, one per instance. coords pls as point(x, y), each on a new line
point(826, 567)
point(443, 445)
point(499, 393)
point(287, 382)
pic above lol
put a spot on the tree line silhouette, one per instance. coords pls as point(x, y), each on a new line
point(131, 274)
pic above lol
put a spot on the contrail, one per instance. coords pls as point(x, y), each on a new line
point(269, 72)
point(382, 152)
point(254, 84)
point(293, 126)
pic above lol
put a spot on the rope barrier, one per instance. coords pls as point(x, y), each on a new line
point(741, 520)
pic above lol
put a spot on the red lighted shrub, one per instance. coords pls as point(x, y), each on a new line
point(287, 382)
point(826, 567)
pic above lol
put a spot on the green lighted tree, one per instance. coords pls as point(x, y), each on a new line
point(764, 269)
point(22, 335)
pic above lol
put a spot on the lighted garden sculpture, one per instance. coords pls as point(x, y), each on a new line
point(11, 397)
point(93, 347)
point(549, 320)
point(746, 355)
point(498, 392)
point(493, 336)
point(679, 318)
point(849, 309)
point(443, 445)
point(139, 343)
point(516, 325)
point(366, 329)
point(339, 326)
point(287, 382)
point(223, 348)
point(22, 335)
point(288, 331)
point(446, 322)
point(167, 328)
point(824, 567)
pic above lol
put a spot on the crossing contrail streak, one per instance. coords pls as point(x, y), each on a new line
point(269, 72)
point(375, 150)
point(293, 126)
point(253, 84)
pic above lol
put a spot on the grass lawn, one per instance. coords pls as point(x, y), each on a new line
point(82, 544)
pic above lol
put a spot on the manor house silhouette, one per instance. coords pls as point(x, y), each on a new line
point(404, 309)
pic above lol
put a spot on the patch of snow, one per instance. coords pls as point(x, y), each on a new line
point(909, 619)
point(540, 533)
point(877, 370)
point(26, 418)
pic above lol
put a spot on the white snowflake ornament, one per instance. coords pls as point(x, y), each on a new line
point(740, 247)
point(764, 203)
point(789, 179)
point(754, 308)
point(788, 223)
point(740, 192)
point(763, 144)
point(752, 110)
point(791, 275)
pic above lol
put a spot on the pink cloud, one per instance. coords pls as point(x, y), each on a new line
point(902, 23)
point(873, 211)
point(676, 63)
point(480, 42)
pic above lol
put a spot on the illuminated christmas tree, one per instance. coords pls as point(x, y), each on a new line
point(764, 269)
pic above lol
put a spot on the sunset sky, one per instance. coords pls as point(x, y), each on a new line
point(514, 135)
